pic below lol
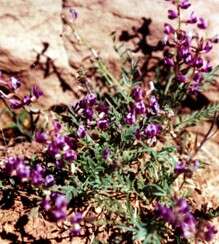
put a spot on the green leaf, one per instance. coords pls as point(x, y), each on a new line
point(197, 116)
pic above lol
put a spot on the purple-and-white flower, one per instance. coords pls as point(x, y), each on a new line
point(202, 23)
point(152, 130)
point(130, 118)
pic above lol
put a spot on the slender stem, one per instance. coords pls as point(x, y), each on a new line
point(105, 72)
point(206, 137)
point(176, 52)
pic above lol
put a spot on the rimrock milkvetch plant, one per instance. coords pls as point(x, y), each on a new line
point(110, 170)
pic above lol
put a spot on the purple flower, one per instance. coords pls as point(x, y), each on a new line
point(189, 59)
point(37, 175)
point(70, 155)
point(180, 167)
point(181, 205)
point(59, 200)
point(154, 105)
point(82, 103)
point(75, 231)
point(75, 220)
point(140, 107)
point(55, 206)
point(215, 39)
point(56, 126)
point(207, 67)
point(53, 150)
point(103, 124)
point(202, 23)
point(70, 142)
point(81, 132)
point(209, 232)
point(16, 166)
point(12, 164)
point(172, 14)
point(194, 88)
point(188, 226)
point(130, 119)
point(186, 168)
point(137, 93)
point(106, 153)
point(208, 46)
point(14, 83)
point(36, 92)
point(41, 137)
point(184, 52)
point(45, 204)
point(15, 103)
point(169, 61)
point(198, 77)
point(88, 113)
point(192, 18)
point(74, 14)
point(58, 215)
point(198, 62)
point(23, 172)
point(184, 4)
point(152, 130)
point(195, 165)
point(26, 100)
point(165, 213)
point(168, 29)
point(59, 141)
point(91, 99)
point(49, 180)
point(179, 217)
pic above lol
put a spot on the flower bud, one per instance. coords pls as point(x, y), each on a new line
point(15, 103)
point(172, 14)
point(192, 18)
point(202, 23)
point(184, 4)
point(137, 93)
point(168, 29)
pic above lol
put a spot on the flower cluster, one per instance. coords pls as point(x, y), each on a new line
point(8, 92)
point(75, 221)
point(182, 220)
point(17, 166)
point(58, 146)
point(40, 178)
point(55, 206)
point(94, 113)
point(179, 217)
point(187, 168)
point(139, 108)
point(20, 168)
point(206, 231)
point(185, 52)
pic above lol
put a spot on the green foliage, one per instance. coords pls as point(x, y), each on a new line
point(197, 116)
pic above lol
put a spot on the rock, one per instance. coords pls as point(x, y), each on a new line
point(31, 44)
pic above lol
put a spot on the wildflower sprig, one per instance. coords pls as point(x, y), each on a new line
point(186, 53)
